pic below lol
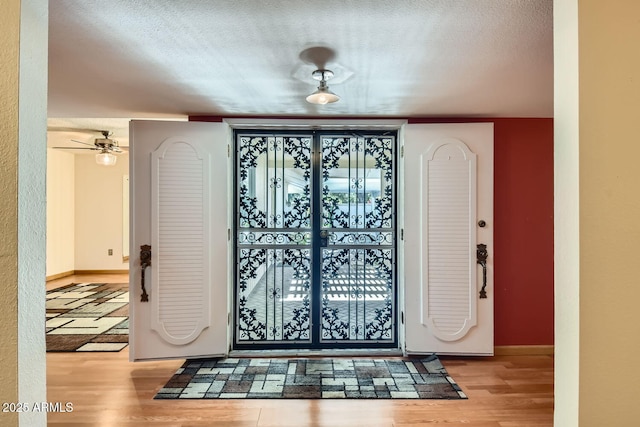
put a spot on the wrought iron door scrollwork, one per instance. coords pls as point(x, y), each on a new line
point(250, 261)
point(361, 238)
point(332, 261)
point(300, 151)
point(381, 149)
point(358, 297)
point(381, 327)
point(250, 215)
point(315, 238)
point(358, 264)
point(273, 236)
point(298, 327)
point(249, 151)
point(299, 214)
point(332, 151)
point(249, 326)
point(332, 215)
point(381, 215)
point(332, 326)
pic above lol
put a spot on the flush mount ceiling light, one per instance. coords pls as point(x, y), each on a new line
point(323, 95)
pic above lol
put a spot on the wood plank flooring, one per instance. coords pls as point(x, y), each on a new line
point(108, 390)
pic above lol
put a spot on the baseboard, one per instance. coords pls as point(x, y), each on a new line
point(101, 271)
point(524, 350)
point(60, 275)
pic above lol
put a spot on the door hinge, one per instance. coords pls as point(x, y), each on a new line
point(402, 317)
point(402, 234)
point(228, 150)
point(402, 151)
point(228, 234)
point(229, 318)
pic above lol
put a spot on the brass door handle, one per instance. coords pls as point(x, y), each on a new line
point(145, 261)
point(481, 256)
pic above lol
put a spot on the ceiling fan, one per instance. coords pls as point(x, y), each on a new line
point(105, 145)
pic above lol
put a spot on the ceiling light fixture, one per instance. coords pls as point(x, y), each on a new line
point(105, 158)
point(323, 95)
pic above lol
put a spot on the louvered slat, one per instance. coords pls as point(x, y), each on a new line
point(448, 305)
point(182, 242)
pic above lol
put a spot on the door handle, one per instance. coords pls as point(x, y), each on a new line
point(324, 234)
point(481, 256)
point(145, 261)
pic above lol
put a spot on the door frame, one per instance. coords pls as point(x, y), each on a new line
point(319, 125)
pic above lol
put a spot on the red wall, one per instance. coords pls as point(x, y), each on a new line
point(524, 231)
point(523, 235)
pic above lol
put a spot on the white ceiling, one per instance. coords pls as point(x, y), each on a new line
point(122, 59)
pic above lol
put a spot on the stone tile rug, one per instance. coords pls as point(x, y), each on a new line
point(88, 317)
point(338, 378)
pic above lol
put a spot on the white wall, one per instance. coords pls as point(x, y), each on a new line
point(567, 214)
point(60, 212)
point(98, 213)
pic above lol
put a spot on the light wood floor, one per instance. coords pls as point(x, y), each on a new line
point(107, 390)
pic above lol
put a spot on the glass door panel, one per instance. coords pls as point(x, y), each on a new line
point(273, 233)
point(315, 240)
point(358, 257)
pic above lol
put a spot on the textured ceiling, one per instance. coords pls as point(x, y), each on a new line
point(402, 58)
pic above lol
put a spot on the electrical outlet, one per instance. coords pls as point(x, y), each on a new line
point(110, 252)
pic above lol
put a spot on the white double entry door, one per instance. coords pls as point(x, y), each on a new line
point(182, 263)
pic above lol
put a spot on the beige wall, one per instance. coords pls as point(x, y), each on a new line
point(98, 213)
point(609, 57)
point(60, 212)
point(597, 212)
point(84, 213)
point(9, 75)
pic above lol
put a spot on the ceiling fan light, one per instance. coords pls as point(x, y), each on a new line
point(322, 96)
point(105, 158)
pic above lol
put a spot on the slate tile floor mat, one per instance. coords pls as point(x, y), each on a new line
point(338, 378)
point(88, 317)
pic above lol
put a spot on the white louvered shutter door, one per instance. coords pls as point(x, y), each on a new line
point(448, 188)
point(179, 199)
